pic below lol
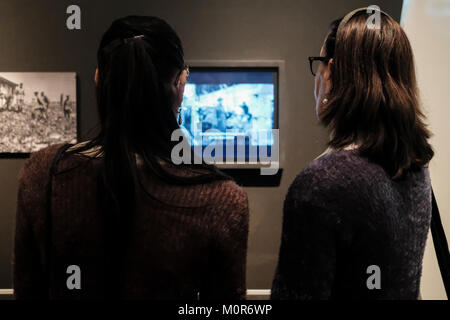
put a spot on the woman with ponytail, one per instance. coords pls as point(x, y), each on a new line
point(114, 217)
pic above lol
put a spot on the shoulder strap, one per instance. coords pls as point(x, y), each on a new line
point(48, 216)
point(440, 245)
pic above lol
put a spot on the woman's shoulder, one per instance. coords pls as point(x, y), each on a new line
point(33, 182)
point(339, 159)
point(346, 175)
point(218, 192)
point(333, 167)
point(231, 206)
point(45, 153)
point(230, 192)
point(223, 194)
point(37, 167)
point(227, 185)
point(349, 165)
point(336, 175)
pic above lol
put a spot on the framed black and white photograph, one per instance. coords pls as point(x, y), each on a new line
point(37, 109)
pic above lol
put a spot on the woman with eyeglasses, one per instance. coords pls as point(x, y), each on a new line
point(356, 219)
point(115, 217)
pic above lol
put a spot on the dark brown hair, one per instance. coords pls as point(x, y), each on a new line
point(374, 101)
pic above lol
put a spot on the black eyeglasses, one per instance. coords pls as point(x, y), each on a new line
point(314, 63)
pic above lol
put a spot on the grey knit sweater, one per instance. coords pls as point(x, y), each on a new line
point(343, 214)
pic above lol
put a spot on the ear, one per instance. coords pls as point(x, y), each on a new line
point(182, 80)
point(181, 85)
point(327, 73)
point(179, 90)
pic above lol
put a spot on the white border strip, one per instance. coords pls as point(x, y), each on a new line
point(258, 292)
point(250, 292)
point(6, 291)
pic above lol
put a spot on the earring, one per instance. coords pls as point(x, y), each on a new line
point(180, 120)
point(325, 101)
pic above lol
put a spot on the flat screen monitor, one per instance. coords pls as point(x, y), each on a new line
point(231, 106)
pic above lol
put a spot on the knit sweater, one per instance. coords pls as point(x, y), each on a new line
point(186, 242)
point(344, 217)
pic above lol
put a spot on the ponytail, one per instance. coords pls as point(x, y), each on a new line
point(137, 59)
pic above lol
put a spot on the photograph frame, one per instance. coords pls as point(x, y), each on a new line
point(75, 111)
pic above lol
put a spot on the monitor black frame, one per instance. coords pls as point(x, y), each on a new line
point(248, 174)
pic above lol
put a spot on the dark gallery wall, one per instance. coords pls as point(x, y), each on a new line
point(34, 37)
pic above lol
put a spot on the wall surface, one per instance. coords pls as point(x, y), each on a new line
point(427, 24)
point(33, 37)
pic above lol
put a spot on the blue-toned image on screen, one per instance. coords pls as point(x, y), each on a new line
point(225, 104)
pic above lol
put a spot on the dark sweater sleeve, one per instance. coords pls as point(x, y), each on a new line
point(27, 268)
point(307, 258)
point(28, 276)
point(226, 275)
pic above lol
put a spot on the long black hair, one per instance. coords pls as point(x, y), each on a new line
point(138, 58)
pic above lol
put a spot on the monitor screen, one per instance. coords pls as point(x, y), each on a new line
point(231, 105)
